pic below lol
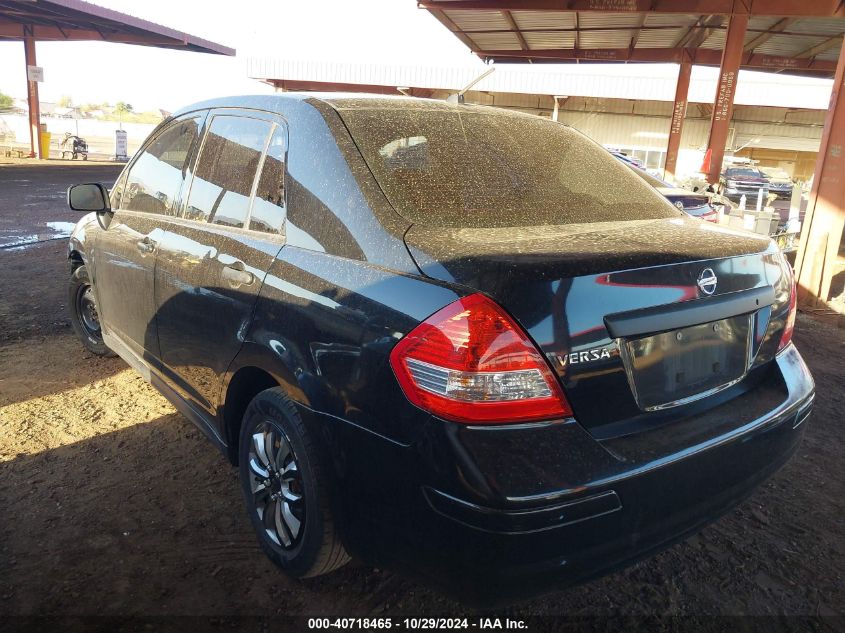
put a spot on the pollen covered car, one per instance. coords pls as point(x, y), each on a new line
point(429, 340)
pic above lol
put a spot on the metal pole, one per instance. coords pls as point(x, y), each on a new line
point(679, 111)
point(723, 106)
point(821, 234)
point(32, 97)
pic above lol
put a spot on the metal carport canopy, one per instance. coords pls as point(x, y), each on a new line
point(782, 35)
point(801, 36)
point(74, 20)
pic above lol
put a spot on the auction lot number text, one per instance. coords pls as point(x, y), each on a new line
point(415, 624)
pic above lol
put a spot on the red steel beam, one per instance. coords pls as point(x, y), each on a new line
point(824, 221)
point(698, 56)
point(782, 8)
point(725, 91)
point(32, 101)
point(515, 29)
point(676, 127)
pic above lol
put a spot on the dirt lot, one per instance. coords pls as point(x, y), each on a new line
point(111, 503)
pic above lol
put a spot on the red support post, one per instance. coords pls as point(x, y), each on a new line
point(32, 98)
point(679, 111)
point(824, 221)
point(724, 104)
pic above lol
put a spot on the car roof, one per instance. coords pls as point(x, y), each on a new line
point(340, 101)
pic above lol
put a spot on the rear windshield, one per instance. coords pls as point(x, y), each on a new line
point(473, 167)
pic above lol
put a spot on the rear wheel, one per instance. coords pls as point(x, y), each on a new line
point(285, 490)
point(84, 316)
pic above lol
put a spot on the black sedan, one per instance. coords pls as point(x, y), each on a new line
point(458, 341)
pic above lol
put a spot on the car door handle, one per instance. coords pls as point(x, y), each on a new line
point(235, 275)
point(146, 245)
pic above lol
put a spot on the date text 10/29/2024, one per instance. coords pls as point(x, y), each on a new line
point(415, 624)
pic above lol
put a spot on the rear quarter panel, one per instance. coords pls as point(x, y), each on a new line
point(324, 326)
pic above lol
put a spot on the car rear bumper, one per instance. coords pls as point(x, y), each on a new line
point(467, 522)
point(636, 517)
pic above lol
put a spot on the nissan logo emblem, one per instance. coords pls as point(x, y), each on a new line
point(707, 281)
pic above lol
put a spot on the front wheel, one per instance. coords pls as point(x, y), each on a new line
point(285, 489)
point(84, 316)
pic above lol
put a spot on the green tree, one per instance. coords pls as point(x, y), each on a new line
point(65, 102)
point(123, 108)
point(5, 101)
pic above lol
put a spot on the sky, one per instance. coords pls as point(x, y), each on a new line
point(346, 31)
point(371, 31)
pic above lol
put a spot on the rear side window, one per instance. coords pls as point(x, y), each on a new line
point(226, 169)
point(474, 167)
point(156, 176)
point(268, 208)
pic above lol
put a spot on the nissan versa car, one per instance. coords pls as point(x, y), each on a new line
point(462, 342)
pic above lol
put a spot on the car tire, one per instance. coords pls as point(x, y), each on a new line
point(84, 316)
point(285, 489)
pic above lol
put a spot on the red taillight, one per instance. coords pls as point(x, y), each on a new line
point(786, 337)
point(471, 363)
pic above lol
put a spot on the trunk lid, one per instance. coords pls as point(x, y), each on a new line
point(619, 311)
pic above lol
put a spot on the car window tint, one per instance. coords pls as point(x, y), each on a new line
point(226, 169)
point(474, 167)
point(155, 178)
point(268, 208)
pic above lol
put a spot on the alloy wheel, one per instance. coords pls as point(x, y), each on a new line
point(276, 485)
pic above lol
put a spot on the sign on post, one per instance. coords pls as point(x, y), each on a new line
point(120, 145)
point(35, 73)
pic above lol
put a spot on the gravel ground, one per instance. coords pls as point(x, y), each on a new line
point(111, 503)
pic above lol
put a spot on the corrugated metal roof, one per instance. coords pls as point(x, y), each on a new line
point(494, 34)
point(548, 40)
point(542, 20)
point(608, 20)
point(619, 38)
point(817, 26)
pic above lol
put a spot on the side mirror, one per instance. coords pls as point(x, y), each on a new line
point(88, 197)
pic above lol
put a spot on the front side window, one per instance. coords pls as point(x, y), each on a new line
point(155, 178)
point(268, 208)
point(226, 169)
